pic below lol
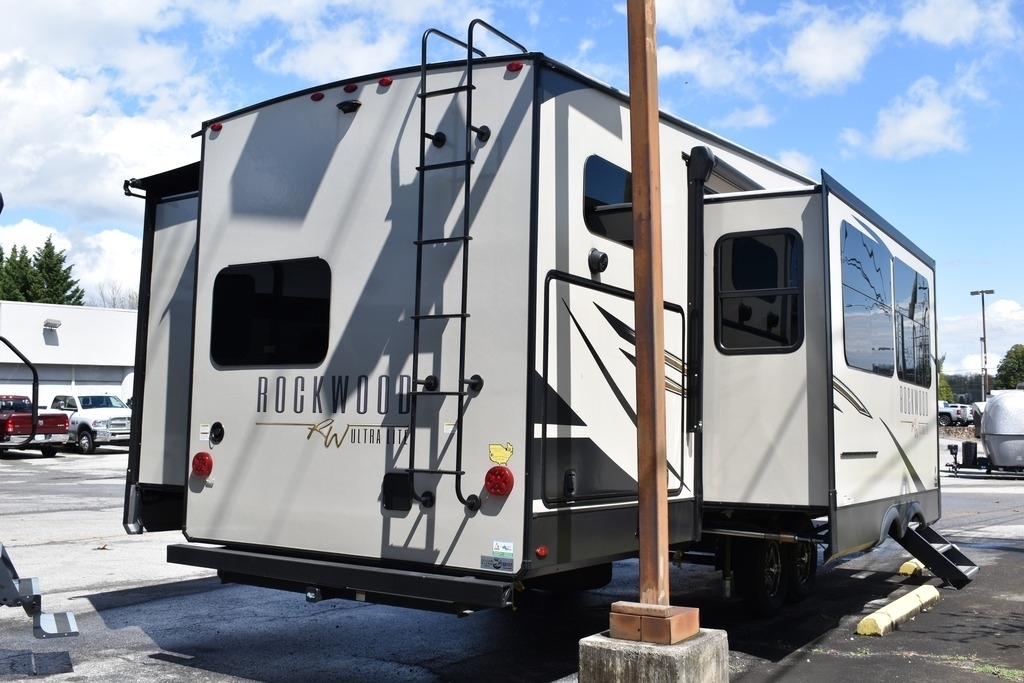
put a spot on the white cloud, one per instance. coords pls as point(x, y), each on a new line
point(110, 256)
point(950, 22)
point(832, 51)
point(757, 116)
point(32, 236)
point(960, 336)
point(924, 121)
point(315, 51)
point(799, 162)
point(684, 18)
point(712, 68)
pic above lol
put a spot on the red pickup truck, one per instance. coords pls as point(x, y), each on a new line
point(51, 430)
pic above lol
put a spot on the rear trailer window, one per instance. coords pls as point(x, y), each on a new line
point(271, 314)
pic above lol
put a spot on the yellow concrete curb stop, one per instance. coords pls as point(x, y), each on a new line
point(912, 568)
point(898, 611)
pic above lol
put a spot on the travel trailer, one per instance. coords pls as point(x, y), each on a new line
point(1002, 431)
point(386, 346)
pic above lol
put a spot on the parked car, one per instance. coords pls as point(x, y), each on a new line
point(950, 414)
point(95, 419)
point(966, 412)
point(51, 429)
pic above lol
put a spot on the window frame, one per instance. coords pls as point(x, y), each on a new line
point(795, 289)
point(294, 330)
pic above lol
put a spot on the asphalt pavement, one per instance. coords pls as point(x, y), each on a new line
point(143, 619)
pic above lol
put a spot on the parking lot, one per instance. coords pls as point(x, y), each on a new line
point(142, 619)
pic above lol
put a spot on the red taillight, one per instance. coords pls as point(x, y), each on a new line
point(541, 551)
point(202, 464)
point(215, 127)
point(317, 96)
point(499, 480)
point(385, 81)
point(514, 67)
point(350, 87)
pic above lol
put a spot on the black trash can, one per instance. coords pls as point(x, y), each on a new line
point(970, 454)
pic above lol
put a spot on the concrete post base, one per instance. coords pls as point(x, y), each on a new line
point(704, 658)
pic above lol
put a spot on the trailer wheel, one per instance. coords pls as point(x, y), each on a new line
point(800, 562)
point(761, 577)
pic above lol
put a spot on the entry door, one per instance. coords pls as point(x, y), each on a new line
point(765, 410)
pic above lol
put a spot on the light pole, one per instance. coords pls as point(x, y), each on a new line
point(984, 342)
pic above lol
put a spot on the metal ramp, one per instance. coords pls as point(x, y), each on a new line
point(18, 592)
point(428, 317)
point(940, 556)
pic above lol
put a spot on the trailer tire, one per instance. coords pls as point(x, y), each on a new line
point(800, 562)
point(760, 576)
point(86, 442)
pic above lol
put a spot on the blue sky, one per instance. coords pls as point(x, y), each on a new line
point(915, 106)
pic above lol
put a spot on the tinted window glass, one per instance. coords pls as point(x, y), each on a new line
point(759, 291)
point(608, 200)
point(913, 328)
point(274, 313)
point(867, 302)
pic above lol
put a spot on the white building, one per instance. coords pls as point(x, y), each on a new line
point(70, 346)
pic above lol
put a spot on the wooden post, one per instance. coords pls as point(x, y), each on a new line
point(649, 307)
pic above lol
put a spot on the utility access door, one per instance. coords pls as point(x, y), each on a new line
point(765, 400)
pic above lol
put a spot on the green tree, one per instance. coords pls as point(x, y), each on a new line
point(945, 391)
point(19, 277)
point(54, 284)
point(1011, 368)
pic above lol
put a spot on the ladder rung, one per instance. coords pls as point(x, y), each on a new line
point(446, 91)
point(438, 393)
point(439, 316)
point(446, 164)
point(443, 240)
point(419, 471)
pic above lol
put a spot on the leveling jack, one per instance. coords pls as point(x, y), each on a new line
point(15, 592)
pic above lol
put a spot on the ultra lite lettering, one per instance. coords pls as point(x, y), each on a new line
point(334, 394)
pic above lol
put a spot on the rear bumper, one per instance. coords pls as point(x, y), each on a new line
point(20, 440)
point(322, 579)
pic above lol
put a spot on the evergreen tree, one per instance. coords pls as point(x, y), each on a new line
point(945, 391)
point(54, 284)
point(1011, 368)
point(19, 277)
point(42, 278)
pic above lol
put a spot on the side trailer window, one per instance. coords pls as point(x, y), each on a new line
point(608, 200)
point(272, 313)
point(867, 302)
point(913, 326)
point(759, 292)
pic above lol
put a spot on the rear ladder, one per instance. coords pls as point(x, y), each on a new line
point(430, 387)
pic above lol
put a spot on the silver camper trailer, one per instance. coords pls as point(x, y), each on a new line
point(1002, 431)
point(386, 351)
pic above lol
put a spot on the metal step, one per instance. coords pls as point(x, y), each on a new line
point(24, 592)
point(941, 557)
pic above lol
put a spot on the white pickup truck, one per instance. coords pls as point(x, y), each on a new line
point(95, 419)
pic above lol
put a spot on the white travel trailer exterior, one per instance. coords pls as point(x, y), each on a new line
point(386, 347)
